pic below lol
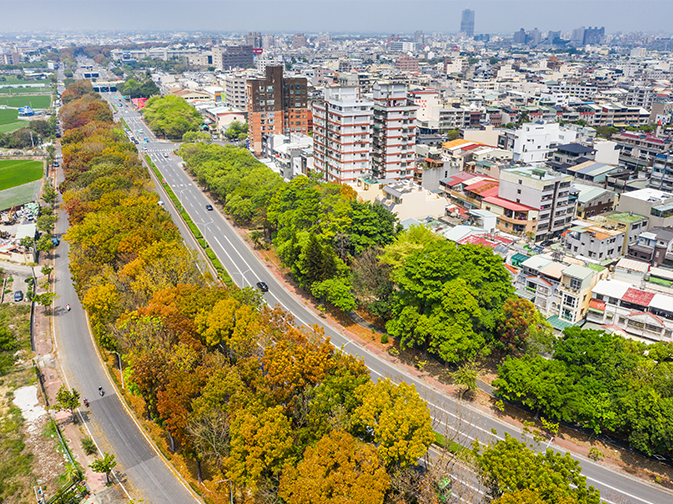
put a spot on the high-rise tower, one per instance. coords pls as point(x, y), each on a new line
point(467, 23)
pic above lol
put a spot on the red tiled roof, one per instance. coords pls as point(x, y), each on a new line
point(484, 188)
point(597, 304)
point(637, 296)
point(502, 239)
point(472, 146)
point(477, 240)
point(460, 178)
point(509, 205)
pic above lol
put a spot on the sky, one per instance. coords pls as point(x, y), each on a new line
point(350, 16)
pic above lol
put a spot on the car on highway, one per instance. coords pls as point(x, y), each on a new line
point(209, 208)
point(262, 286)
point(18, 296)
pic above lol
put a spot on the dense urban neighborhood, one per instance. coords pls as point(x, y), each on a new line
point(332, 267)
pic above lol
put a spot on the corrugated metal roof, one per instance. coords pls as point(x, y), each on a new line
point(637, 296)
point(633, 265)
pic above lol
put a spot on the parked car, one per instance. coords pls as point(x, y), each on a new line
point(18, 296)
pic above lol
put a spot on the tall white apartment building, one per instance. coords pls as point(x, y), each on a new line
point(394, 132)
point(234, 89)
point(342, 134)
point(533, 143)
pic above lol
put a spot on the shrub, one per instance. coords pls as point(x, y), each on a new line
point(384, 338)
point(89, 446)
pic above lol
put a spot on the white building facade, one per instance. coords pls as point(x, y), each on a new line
point(394, 133)
point(342, 135)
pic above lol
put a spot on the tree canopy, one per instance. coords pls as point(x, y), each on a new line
point(601, 381)
point(171, 116)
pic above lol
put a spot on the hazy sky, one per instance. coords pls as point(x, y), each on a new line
point(377, 16)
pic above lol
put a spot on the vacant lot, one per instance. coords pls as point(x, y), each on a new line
point(8, 116)
point(37, 101)
point(18, 172)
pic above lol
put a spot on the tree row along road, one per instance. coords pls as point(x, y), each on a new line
point(246, 270)
point(142, 472)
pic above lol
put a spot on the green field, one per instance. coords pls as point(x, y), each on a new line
point(37, 102)
point(8, 116)
point(8, 128)
point(18, 172)
point(12, 79)
point(25, 90)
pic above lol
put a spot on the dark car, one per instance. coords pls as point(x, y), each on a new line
point(209, 208)
point(262, 286)
point(18, 296)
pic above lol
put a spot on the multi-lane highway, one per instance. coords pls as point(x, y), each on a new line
point(246, 270)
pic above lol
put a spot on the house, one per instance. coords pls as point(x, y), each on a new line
point(593, 172)
point(653, 246)
point(191, 96)
point(595, 241)
point(592, 200)
point(224, 116)
point(657, 205)
point(560, 290)
point(642, 315)
point(570, 155)
point(534, 143)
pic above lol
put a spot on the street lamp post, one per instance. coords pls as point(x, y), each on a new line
point(121, 371)
point(205, 229)
point(181, 191)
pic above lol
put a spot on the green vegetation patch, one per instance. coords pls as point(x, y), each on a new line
point(14, 79)
point(25, 90)
point(8, 116)
point(11, 127)
point(18, 172)
point(36, 102)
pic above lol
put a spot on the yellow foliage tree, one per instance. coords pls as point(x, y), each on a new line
point(340, 469)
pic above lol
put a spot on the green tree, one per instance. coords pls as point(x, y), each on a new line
point(465, 377)
point(49, 193)
point(104, 465)
point(511, 466)
point(47, 270)
point(46, 222)
point(67, 400)
point(237, 131)
point(337, 291)
point(44, 244)
point(171, 116)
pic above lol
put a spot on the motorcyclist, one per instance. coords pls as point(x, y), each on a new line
point(86, 402)
point(100, 391)
point(67, 307)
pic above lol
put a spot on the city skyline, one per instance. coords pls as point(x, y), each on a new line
point(371, 16)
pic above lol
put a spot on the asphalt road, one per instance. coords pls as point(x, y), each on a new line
point(143, 473)
point(449, 416)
